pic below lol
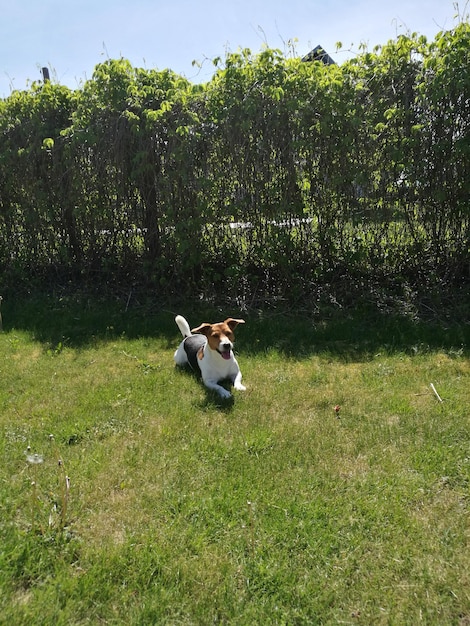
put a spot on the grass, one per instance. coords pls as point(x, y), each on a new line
point(271, 509)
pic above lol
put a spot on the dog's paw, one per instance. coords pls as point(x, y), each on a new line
point(240, 387)
point(223, 393)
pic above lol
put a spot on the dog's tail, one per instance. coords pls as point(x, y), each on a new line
point(183, 326)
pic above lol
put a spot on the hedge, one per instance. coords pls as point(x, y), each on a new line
point(276, 178)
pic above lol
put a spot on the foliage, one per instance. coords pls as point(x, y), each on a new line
point(278, 178)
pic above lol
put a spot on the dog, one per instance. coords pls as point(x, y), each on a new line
point(209, 350)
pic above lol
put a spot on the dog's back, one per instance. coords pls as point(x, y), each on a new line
point(192, 346)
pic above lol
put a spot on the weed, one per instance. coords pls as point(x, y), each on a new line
point(58, 502)
point(34, 460)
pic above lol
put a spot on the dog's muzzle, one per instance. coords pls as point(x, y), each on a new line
point(226, 352)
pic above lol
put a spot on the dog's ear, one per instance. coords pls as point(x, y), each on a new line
point(203, 329)
point(232, 323)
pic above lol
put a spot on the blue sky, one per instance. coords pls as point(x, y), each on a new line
point(71, 37)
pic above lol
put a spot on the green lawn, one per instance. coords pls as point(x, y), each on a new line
point(157, 503)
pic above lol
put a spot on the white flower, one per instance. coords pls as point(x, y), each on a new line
point(34, 459)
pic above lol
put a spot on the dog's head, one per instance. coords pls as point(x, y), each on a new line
point(220, 336)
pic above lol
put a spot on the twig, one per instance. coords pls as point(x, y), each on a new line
point(131, 356)
point(437, 395)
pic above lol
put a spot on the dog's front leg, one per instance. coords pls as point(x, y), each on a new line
point(212, 384)
point(237, 382)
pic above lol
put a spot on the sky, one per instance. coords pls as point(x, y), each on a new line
point(71, 37)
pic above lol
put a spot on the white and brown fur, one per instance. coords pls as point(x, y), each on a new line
point(209, 347)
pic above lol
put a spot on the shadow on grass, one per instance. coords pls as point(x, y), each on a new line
point(347, 334)
point(212, 399)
